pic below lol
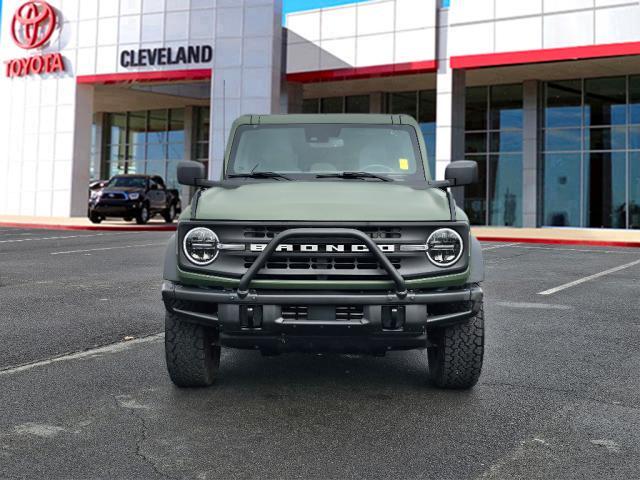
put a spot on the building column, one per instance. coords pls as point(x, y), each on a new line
point(81, 150)
point(247, 69)
point(450, 103)
point(530, 107)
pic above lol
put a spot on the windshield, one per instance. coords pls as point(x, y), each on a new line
point(309, 151)
point(136, 182)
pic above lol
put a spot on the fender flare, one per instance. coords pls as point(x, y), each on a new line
point(476, 266)
point(171, 261)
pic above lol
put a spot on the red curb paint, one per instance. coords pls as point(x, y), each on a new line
point(101, 228)
point(561, 241)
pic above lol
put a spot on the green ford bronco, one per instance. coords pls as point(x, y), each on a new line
point(326, 233)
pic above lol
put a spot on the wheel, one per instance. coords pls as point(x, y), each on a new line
point(456, 362)
point(170, 213)
point(95, 218)
point(127, 219)
point(143, 215)
point(192, 359)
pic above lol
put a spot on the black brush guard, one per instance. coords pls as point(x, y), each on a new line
point(261, 260)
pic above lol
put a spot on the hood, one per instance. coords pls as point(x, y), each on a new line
point(323, 201)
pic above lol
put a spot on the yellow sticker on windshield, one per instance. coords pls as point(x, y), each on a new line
point(404, 164)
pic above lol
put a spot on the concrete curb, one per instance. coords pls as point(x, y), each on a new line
point(560, 241)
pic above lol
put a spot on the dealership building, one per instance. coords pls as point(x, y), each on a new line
point(543, 94)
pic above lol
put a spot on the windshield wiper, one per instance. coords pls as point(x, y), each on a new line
point(275, 175)
point(355, 175)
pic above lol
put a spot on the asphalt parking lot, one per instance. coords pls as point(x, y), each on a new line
point(559, 396)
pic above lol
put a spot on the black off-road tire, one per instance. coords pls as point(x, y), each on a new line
point(456, 362)
point(143, 215)
point(95, 218)
point(192, 359)
point(169, 214)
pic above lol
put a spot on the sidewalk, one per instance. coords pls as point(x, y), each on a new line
point(567, 236)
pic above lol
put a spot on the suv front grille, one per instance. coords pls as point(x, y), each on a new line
point(323, 263)
point(376, 233)
point(114, 196)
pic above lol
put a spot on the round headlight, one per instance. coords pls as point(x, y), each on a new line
point(201, 246)
point(444, 247)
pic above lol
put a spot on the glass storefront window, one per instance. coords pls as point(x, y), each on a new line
point(608, 138)
point(117, 128)
point(561, 180)
point(590, 183)
point(505, 190)
point(348, 104)
point(505, 109)
point(310, 105)
point(634, 190)
point(493, 118)
point(148, 142)
point(137, 128)
point(506, 141)
point(475, 195)
point(476, 142)
point(563, 139)
point(420, 105)
point(563, 104)
point(605, 179)
point(331, 105)
point(176, 132)
point(634, 100)
point(404, 103)
point(427, 120)
point(476, 108)
point(605, 101)
point(157, 129)
point(357, 104)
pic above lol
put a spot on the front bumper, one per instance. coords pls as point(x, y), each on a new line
point(122, 210)
point(387, 322)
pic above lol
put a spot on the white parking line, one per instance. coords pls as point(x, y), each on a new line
point(540, 306)
point(108, 248)
point(580, 250)
point(64, 237)
point(18, 240)
point(551, 291)
point(113, 348)
point(499, 246)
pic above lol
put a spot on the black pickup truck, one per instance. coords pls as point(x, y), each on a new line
point(134, 196)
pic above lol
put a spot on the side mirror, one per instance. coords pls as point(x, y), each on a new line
point(462, 172)
point(190, 172)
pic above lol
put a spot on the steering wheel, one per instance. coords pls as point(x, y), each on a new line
point(378, 168)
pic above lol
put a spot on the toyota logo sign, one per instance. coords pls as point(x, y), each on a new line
point(33, 24)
